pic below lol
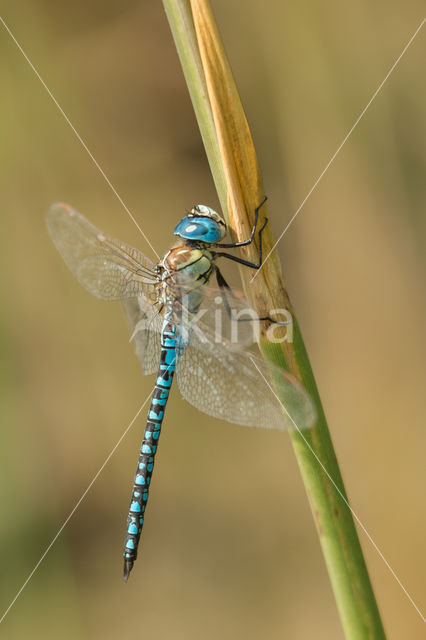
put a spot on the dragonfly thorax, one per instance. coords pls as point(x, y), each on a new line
point(182, 273)
point(202, 224)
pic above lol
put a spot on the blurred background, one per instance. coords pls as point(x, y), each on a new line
point(210, 565)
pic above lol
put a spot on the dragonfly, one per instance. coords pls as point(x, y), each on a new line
point(172, 310)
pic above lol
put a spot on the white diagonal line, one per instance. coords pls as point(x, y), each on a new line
point(341, 144)
point(343, 498)
point(79, 501)
point(79, 138)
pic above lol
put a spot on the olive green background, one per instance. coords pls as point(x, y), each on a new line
point(229, 548)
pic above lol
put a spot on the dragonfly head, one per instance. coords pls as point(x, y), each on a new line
point(203, 224)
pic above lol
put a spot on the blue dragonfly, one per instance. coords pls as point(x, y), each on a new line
point(172, 310)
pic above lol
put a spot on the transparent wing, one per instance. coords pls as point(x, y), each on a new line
point(224, 314)
point(238, 386)
point(145, 321)
point(145, 324)
point(216, 375)
point(107, 268)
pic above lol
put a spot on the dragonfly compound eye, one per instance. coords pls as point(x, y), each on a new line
point(201, 228)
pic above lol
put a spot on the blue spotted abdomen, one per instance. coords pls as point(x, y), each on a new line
point(149, 445)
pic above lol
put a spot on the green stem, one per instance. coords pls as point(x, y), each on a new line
point(332, 514)
point(313, 448)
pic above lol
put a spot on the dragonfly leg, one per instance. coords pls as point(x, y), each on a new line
point(226, 291)
point(244, 243)
point(246, 263)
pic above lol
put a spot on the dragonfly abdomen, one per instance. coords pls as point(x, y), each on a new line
point(135, 518)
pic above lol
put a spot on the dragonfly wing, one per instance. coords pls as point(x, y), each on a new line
point(224, 313)
point(145, 323)
point(106, 267)
point(240, 387)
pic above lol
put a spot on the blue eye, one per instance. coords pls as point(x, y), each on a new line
point(200, 228)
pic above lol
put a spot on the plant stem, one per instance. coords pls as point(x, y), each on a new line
point(235, 169)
